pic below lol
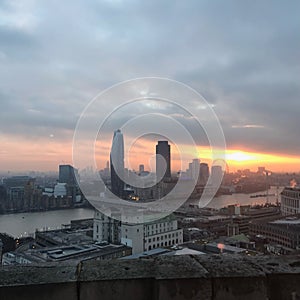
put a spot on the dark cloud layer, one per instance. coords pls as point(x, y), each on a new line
point(243, 56)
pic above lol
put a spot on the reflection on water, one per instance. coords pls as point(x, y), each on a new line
point(245, 199)
point(26, 223)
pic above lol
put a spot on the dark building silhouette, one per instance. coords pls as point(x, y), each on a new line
point(117, 164)
point(204, 173)
point(68, 174)
point(163, 151)
point(19, 193)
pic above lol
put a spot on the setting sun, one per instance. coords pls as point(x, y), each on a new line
point(240, 156)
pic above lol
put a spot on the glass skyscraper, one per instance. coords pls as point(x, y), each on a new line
point(117, 164)
point(164, 150)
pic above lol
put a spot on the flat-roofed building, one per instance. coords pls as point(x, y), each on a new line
point(290, 201)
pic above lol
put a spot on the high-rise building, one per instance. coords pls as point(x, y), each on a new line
point(68, 175)
point(204, 173)
point(163, 152)
point(117, 164)
point(194, 170)
point(216, 175)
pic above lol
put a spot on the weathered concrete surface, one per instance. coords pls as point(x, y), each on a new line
point(163, 278)
point(55, 281)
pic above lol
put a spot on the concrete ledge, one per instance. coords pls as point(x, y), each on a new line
point(163, 278)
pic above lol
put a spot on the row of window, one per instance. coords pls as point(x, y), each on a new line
point(163, 244)
point(162, 237)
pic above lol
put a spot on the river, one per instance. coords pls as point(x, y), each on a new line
point(245, 199)
point(23, 224)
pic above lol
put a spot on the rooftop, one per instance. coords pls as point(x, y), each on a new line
point(215, 277)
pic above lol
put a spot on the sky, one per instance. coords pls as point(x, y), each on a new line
point(243, 57)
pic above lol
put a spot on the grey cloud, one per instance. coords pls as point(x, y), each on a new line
point(242, 56)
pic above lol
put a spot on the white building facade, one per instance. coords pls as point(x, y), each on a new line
point(140, 237)
point(290, 201)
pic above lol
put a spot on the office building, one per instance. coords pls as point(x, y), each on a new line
point(290, 201)
point(216, 175)
point(67, 174)
point(140, 237)
point(72, 252)
point(193, 171)
point(279, 231)
point(117, 164)
point(163, 160)
point(204, 173)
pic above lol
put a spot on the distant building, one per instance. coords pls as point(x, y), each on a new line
point(216, 175)
point(21, 194)
point(204, 173)
point(163, 152)
point(290, 201)
point(193, 171)
point(280, 231)
point(140, 237)
point(141, 169)
point(117, 164)
point(69, 175)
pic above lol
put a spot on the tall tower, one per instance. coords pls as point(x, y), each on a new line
point(163, 149)
point(204, 173)
point(117, 164)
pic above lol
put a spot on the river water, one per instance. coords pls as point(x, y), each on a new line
point(245, 199)
point(24, 224)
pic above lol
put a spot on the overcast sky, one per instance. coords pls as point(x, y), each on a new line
point(242, 56)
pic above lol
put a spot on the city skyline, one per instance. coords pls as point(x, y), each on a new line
point(236, 159)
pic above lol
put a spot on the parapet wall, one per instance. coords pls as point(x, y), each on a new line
point(178, 277)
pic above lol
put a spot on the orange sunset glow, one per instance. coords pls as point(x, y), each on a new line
point(47, 154)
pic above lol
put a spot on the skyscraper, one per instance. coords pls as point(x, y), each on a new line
point(194, 169)
point(117, 164)
point(163, 151)
point(216, 175)
point(68, 174)
point(204, 173)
